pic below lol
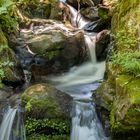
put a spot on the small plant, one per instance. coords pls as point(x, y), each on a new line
point(126, 40)
point(127, 61)
point(46, 126)
point(49, 137)
point(7, 22)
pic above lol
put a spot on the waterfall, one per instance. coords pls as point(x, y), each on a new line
point(12, 127)
point(79, 83)
point(7, 123)
point(89, 72)
point(77, 19)
point(86, 125)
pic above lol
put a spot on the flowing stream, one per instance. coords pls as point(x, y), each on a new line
point(12, 127)
point(79, 83)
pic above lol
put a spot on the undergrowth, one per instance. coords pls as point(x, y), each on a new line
point(127, 61)
point(46, 126)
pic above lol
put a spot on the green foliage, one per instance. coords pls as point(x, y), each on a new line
point(127, 39)
point(7, 22)
point(4, 6)
point(2, 66)
point(127, 61)
point(49, 137)
point(46, 126)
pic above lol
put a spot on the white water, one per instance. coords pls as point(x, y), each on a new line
point(89, 72)
point(86, 125)
point(79, 83)
point(7, 123)
point(12, 127)
point(77, 19)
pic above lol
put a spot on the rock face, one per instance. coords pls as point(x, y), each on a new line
point(90, 13)
point(44, 101)
point(11, 71)
point(102, 42)
point(120, 94)
point(51, 50)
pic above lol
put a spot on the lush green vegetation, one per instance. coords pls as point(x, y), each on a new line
point(127, 55)
point(47, 129)
point(7, 20)
point(127, 62)
point(44, 137)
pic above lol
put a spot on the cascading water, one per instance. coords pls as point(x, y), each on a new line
point(79, 82)
point(7, 123)
point(77, 19)
point(86, 125)
point(12, 127)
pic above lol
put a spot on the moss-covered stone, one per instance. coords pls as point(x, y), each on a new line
point(47, 112)
point(44, 101)
point(48, 45)
point(9, 67)
point(124, 112)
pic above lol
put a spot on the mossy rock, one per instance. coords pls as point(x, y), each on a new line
point(125, 110)
point(47, 45)
point(9, 64)
point(44, 101)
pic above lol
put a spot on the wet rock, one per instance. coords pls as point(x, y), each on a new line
point(96, 2)
point(12, 72)
point(55, 51)
point(97, 26)
point(83, 3)
point(44, 101)
point(102, 42)
point(90, 13)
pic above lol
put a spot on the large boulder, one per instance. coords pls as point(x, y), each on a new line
point(51, 50)
point(45, 101)
point(47, 112)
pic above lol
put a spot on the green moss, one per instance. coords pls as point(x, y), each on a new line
point(124, 116)
point(38, 103)
point(103, 13)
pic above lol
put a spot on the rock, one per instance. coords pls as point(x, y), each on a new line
point(11, 71)
point(102, 42)
point(97, 26)
point(40, 9)
point(44, 101)
point(90, 13)
point(96, 2)
point(119, 96)
point(83, 3)
point(56, 12)
point(52, 51)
